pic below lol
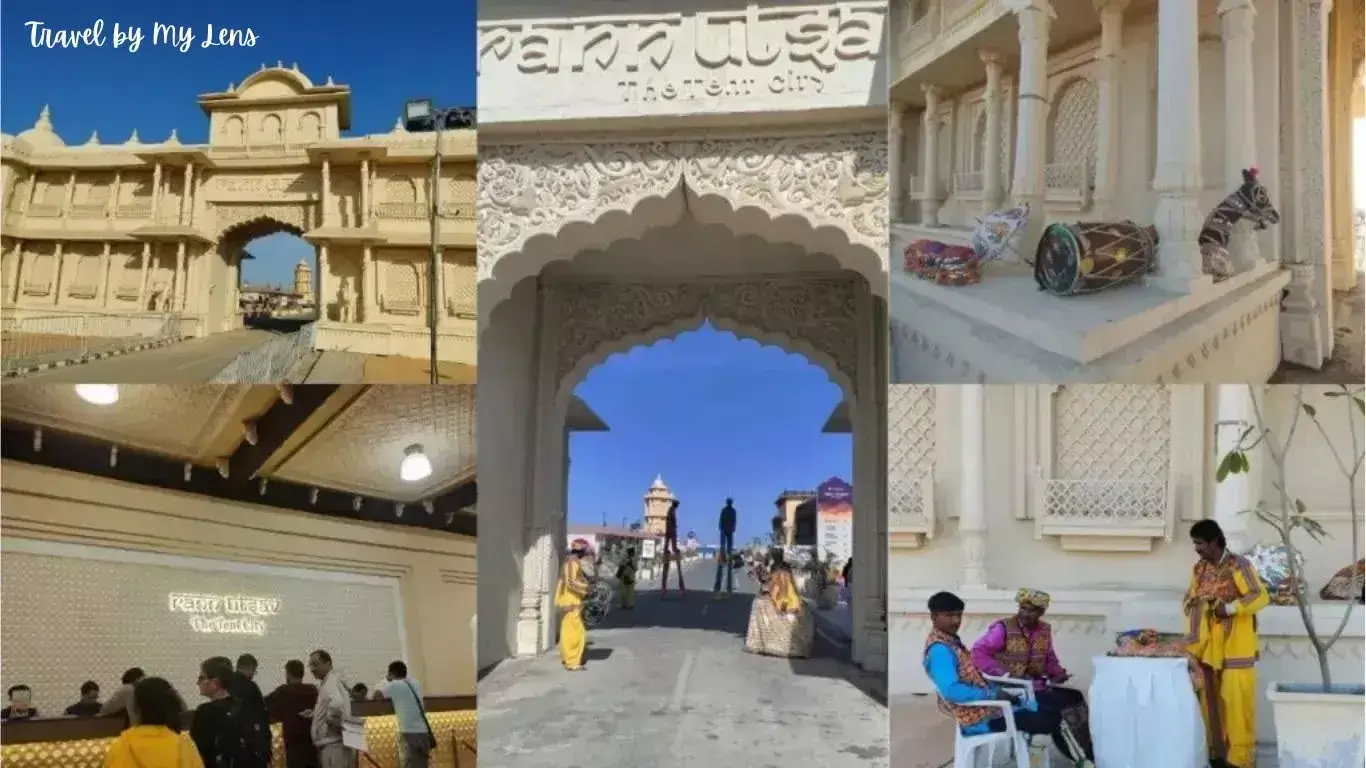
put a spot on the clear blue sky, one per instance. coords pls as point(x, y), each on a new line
point(423, 51)
point(715, 415)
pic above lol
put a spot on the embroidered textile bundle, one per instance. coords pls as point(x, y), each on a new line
point(942, 263)
point(1151, 644)
point(1340, 586)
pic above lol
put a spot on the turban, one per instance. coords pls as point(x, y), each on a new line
point(1037, 598)
point(580, 545)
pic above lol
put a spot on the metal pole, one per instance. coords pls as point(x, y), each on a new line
point(433, 276)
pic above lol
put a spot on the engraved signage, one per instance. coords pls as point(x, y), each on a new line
point(676, 57)
point(291, 187)
point(224, 614)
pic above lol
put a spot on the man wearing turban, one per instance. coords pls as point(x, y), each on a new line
point(1021, 646)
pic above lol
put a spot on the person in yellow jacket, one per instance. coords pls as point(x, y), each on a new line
point(570, 592)
point(1221, 608)
point(154, 740)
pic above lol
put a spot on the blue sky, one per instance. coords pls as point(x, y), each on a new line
point(715, 415)
point(425, 51)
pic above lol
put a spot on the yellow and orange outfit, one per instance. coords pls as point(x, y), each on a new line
point(152, 745)
point(782, 590)
point(570, 591)
point(1226, 650)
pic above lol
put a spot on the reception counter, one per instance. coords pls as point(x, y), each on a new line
point(82, 742)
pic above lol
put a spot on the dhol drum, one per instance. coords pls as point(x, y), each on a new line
point(1087, 257)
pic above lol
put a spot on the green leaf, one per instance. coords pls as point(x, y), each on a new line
point(1231, 464)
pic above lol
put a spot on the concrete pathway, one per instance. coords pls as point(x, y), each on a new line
point(669, 684)
point(196, 360)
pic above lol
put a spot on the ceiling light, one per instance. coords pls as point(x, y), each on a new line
point(416, 466)
point(98, 394)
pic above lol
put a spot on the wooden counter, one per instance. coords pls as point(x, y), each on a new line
point(69, 742)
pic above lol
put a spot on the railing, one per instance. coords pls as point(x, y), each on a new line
point(89, 210)
point(45, 211)
point(27, 342)
point(272, 361)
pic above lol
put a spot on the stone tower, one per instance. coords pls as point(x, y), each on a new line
point(657, 502)
point(303, 281)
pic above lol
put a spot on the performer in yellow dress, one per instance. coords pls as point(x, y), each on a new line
point(1221, 608)
point(782, 588)
point(570, 592)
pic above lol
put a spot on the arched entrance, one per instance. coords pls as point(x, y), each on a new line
point(586, 250)
point(241, 225)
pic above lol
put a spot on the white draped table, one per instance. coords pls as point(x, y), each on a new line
point(1144, 714)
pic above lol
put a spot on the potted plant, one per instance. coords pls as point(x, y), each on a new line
point(829, 596)
point(1318, 724)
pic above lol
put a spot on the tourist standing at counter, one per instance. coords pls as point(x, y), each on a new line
point(416, 740)
point(118, 703)
point(89, 704)
point(333, 704)
point(20, 704)
point(285, 705)
point(156, 741)
point(225, 731)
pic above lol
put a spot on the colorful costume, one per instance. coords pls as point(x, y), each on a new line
point(569, 594)
point(1227, 651)
point(957, 680)
point(1011, 649)
point(778, 623)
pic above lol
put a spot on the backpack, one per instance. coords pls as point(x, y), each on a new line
point(244, 739)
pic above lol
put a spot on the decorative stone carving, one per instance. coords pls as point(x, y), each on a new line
point(813, 317)
point(911, 438)
point(528, 190)
point(302, 217)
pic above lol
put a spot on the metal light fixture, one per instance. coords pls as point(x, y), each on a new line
point(418, 115)
point(416, 466)
point(98, 394)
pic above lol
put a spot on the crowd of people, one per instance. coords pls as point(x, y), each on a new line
point(231, 728)
point(1220, 605)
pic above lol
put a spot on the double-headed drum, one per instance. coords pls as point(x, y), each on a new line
point(1086, 257)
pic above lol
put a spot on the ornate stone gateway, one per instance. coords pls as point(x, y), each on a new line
point(593, 243)
point(116, 233)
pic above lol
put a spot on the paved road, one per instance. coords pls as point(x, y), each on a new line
point(669, 685)
point(196, 360)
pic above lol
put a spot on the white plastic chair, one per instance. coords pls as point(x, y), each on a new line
point(965, 748)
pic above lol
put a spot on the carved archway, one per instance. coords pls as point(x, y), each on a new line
point(547, 202)
point(814, 317)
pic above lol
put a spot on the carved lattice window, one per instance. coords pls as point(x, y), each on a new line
point(1106, 471)
point(402, 290)
point(912, 436)
point(1072, 135)
point(461, 287)
point(85, 284)
point(129, 277)
point(979, 143)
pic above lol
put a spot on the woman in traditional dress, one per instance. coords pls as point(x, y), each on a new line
point(571, 590)
point(779, 624)
point(782, 587)
point(1021, 646)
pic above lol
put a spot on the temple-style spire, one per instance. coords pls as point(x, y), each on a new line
point(44, 121)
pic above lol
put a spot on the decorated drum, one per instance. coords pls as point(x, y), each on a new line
point(1086, 257)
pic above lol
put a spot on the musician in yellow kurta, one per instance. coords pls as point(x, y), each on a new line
point(1221, 608)
point(570, 592)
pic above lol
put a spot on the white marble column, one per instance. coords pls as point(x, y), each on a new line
point(896, 136)
point(59, 279)
point(1306, 321)
point(1342, 82)
point(1238, 494)
point(1031, 131)
point(992, 193)
point(1238, 19)
point(1109, 131)
point(106, 264)
point(156, 193)
point(365, 192)
point(972, 495)
point(187, 195)
point(142, 279)
point(327, 192)
point(367, 283)
point(178, 291)
point(323, 297)
point(929, 166)
point(1177, 181)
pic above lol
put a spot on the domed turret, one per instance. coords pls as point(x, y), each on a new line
point(657, 502)
point(41, 135)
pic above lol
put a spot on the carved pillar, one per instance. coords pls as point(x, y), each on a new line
point(113, 210)
point(70, 196)
point(32, 192)
point(1238, 18)
point(156, 192)
point(991, 143)
point(365, 192)
point(59, 279)
point(1178, 180)
point(14, 274)
point(142, 281)
point(187, 198)
point(106, 270)
point(1237, 495)
point(367, 282)
point(896, 134)
point(972, 513)
point(1306, 321)
point(929, 170)
point(1108, 132)
point(1342, 81)
point(178, 289)
point(323, 296)
point(1031, 133)
point(327, 192)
